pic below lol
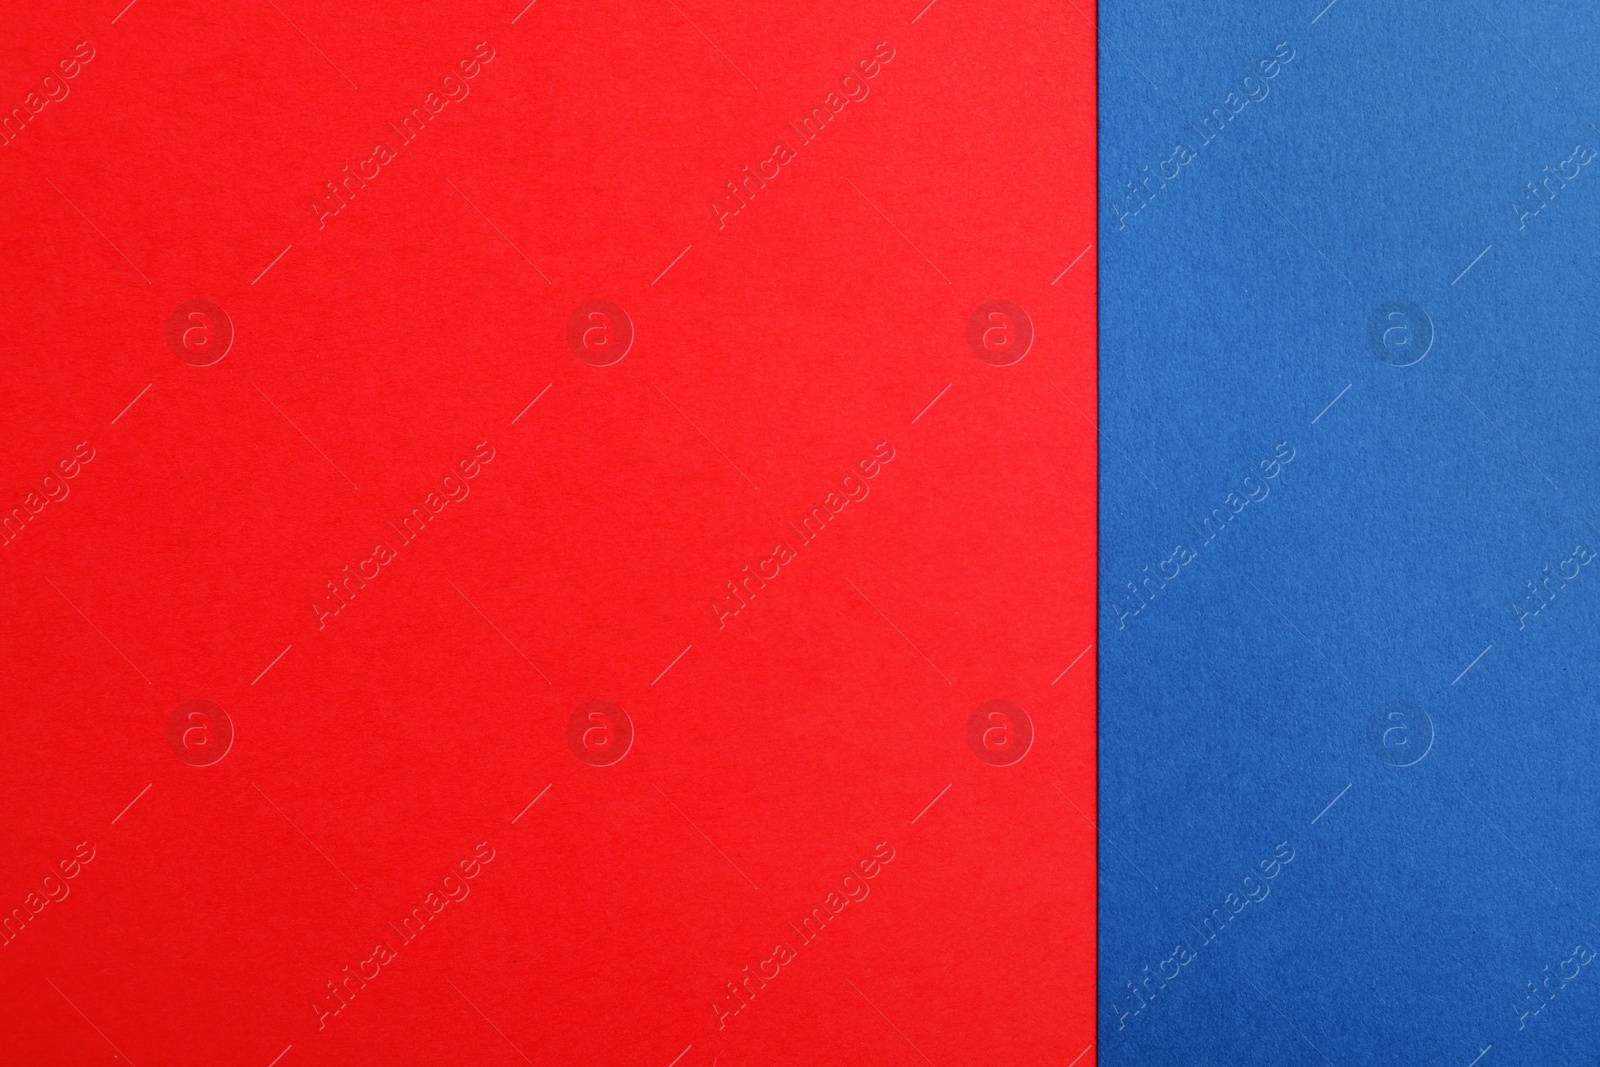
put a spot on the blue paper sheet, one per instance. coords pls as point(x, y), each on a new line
point(1350, 549)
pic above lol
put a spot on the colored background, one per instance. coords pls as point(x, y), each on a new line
point(1440, 869)
point(373, 354)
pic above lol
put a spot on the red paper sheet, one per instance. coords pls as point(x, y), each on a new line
point(547, 536)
